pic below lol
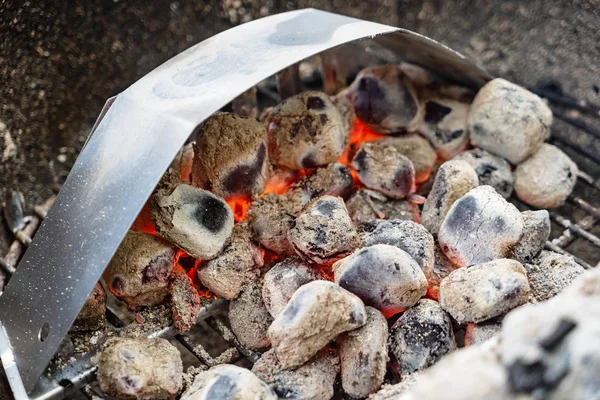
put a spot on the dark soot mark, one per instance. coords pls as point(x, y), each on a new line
point(369, 101)
point(212, 213)
point(435, 112)
point(224, 388)
point(159, 269)
point(315, 103)
point(241, 180)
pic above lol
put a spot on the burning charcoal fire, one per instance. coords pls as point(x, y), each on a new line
point(418, 150)
point(453, 180)
point(134, 368)
point(408, 236)
point(364, 355)
point(547, 178)
point(445, 125)
point(508, 120)
point(237, 266)
point(185, 301)
point(385, 169)
point(536, 229)
point(228, 382)
point(195, 220)
point(230, 156)
point(491, 170)
point(479, 292)
point(92, 316)
point(323, 233)
point(282, 281)
point(139, 271)
point(479, 333)
point(366, 205)
point(314, 316)
point(442, 267)
point(249, 318)
point(306, 131)
point(271, 216)
point(183, 162)
point(420, 337)
point(333, 180)
point(480, 226)
point(383, 276)
point(550, 273)
point(385, 99)
point(312, 381)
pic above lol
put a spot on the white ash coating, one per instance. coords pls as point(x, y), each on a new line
point(479, 292)
point(445, 125)
point(228, 382)
point(139, 271)
point(385, 99)
point(391, 392)
point(479, 333)
point(508, 120)
point(185, 301)
point(385, 169)
point(230, 156)
point(281, 282)
point(536, 230)
point(237, 266)
point(317, 312)
point(547, 178)
point(346, 110)
point(193, 219)
point(306, 131)
point(333, 180)
point(421, 337)
point(311, 381)
point(134, 368)
point(442, 267)
point(92, 316)
point(249, 317)
point(480, 226)
point(453, 180)
point(323, 232)
point(491, 170)
point(367, 205)
point(408, 236)
point(364, 355)
point(418, 150)
point(383, 276)
point(550, 273)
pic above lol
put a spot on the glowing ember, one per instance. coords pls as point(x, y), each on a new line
point(143, 222)
point(239, 206)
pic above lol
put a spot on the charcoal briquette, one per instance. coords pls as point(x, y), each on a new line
point(550, 273)
point(442, 267)
point(393, 391)
point(185, 301)
point(418, 150)
point(183, 163)
point(367, 205)
point(479, 333)
point(249, 318)
point(536, 230)
point(332, 180)
point(491, 170)
point(92, 316)
point(445, 125)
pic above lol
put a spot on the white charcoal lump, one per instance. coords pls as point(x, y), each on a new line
point(418, 150)
point(364, 355)
point(480, 226)
point(536, 229)
point(508, 120)
point(547, 178)
point(332, 180)
point(249, 317)
point(479, 333)
point(453, 180)
point(445, 125)
point(550, 273)
point(479, 292)
point(491, 170)
point(315, 315)
point(366, 205)
point(383, 276)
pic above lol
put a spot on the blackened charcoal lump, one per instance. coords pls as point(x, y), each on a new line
point(445, 125)
point(185, 301)
point(194, 219)
point(442, 267)
point(536, 230)
point(92, 316)
point(421, 336)
point(418, 150)
point(491, 170)
point(317, 312)
point(139, 271)
point(367, 205)
point(332, 180)
point(550, 273)
point(383, 276)
point(249, 318)
point(479, 333)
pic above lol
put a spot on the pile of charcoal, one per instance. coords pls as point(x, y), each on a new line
point(361, 240)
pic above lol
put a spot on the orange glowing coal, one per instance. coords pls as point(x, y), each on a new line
point(143, 222)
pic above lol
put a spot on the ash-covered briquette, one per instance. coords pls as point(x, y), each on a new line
point(366, 205)
point(323, 233)
point(508, 120)
point(139, 271)
point(547, 178)
point(271, 216)
point(228, 382)
point(491, 170)
point(408, 236)
point(420, 337)
point(392, 392)
point(249, 317)
point(479, 333)
point(418, 150)
point(281, 282)
point(237, 265)
point(306, 131)
point(185, 301)
point(480, 226)
point(183, 162)
point(346, 110)
point(385, 99)
point(314, 316)
point(550, 273)
point(332, 180)
point(193, 219)
point(92, 316)
point(383, 276)
point(442, 267)
point(364, 355)
point(135, 368)
point(385, 169)
point(479, 292)
point(311, 381)
point(230, 156)
point(445, 125)
point(453, 180)
point(536, 230)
